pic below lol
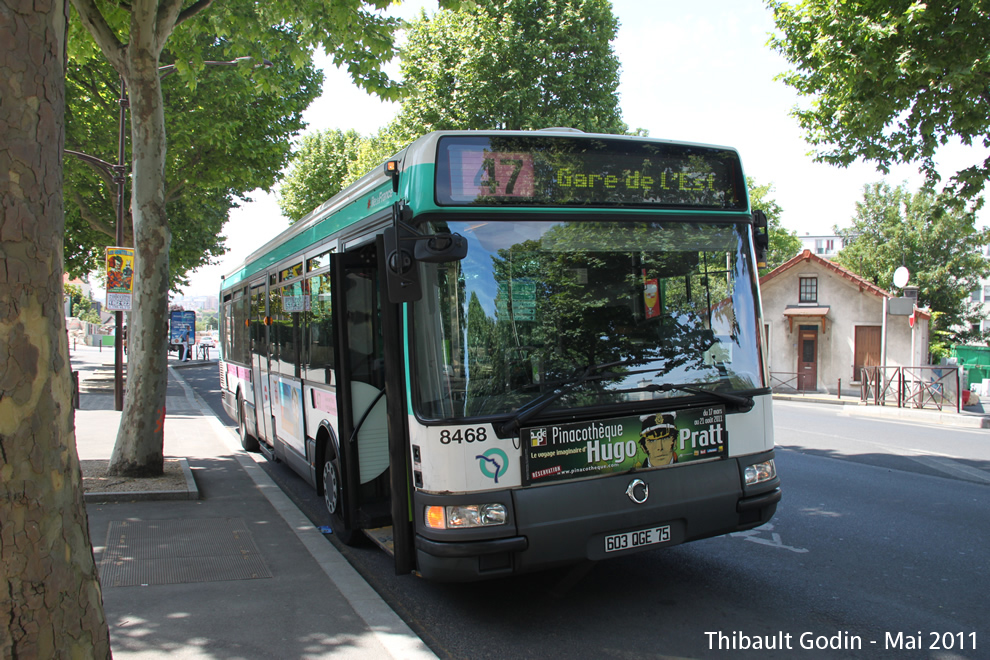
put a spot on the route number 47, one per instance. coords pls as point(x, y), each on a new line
point(496, 170)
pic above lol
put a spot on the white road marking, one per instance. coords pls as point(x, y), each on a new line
point(774, 540)
point(956, 469)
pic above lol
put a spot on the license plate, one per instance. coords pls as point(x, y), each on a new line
point(637, 539)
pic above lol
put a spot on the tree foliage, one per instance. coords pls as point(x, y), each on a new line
point(940, 246)
point(497, 64)
point(890, 81)
point(136, 38)
point(784, 243)
point(226, 137)
point(515, 65)
point(319, 169)
point(80, 306)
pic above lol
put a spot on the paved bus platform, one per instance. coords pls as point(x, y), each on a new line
point(237, 570)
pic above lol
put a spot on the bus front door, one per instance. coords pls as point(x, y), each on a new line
point(361, 401)
point(260, 362)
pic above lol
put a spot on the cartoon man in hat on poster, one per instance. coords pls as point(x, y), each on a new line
point(657, 438)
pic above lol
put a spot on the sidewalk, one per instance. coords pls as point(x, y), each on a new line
point(974, 418)
point(238, 572)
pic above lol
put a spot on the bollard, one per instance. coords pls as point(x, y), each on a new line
point(75, 390)
point(839, 395)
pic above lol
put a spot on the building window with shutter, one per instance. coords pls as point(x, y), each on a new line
point(808, 290)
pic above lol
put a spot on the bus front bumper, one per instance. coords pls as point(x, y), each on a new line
point(570, 522)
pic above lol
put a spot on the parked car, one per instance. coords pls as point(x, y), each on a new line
point(207, 340)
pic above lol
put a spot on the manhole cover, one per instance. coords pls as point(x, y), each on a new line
point(144, 552)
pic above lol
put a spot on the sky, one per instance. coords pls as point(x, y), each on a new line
point(694, 71)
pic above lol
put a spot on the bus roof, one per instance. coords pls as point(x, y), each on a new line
point(373, 192)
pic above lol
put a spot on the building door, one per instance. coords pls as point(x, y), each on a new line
point(808, 357)
point(867, 349)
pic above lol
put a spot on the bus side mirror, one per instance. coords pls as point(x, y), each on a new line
point(439, 248)
point(401, 271)
point(761, 238)
point(405, 248)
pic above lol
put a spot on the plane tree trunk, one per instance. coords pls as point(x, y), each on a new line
point(139, 448)
point(50, 600)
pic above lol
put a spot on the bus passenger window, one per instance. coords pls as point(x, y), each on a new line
point(289, 303)
point(257, 335)
point(363, 328)
point(319, 332)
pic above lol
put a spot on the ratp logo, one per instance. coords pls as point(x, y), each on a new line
point(493, 463)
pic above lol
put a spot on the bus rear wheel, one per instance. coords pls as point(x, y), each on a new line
point(248, 441)
point(333, 497)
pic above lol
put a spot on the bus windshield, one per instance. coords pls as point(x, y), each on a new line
point(607, 310)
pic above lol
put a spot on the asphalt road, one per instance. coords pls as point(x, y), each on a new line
point(879, 549)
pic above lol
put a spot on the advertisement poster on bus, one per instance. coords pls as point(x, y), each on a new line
point(120, 278)
point(587, 449)
point(290, 414)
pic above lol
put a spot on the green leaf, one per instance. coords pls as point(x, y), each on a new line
point(890, 81)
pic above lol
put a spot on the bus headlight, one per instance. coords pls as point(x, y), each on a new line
point(759, 472)
point(461, 516)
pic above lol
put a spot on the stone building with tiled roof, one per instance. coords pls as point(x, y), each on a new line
point(824, 323)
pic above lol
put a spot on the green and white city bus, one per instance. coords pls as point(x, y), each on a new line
point(513, 350)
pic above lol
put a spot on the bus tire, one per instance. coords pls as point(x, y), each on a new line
point(248, 441)
point(333, 496)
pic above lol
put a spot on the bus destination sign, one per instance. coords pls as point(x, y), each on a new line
point(588, 449)
point(569, 171)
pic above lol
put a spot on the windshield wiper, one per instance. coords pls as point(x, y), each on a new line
point(744, 402)
point(540, 403)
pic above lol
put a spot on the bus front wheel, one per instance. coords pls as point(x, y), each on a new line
point(248, 441)
point(333, 497)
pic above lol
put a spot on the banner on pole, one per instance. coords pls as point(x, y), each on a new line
point(120, 277)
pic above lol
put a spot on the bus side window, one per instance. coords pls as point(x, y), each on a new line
point(257, 338)
point(237, 330)
point(363, 327)
point(286, 309)
point(319, 332)
point(224, 319)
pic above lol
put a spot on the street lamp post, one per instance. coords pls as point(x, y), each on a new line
point(118, 316)
point(117, 173)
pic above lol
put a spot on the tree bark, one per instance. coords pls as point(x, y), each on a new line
point(139, 448)
point(50, 603)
